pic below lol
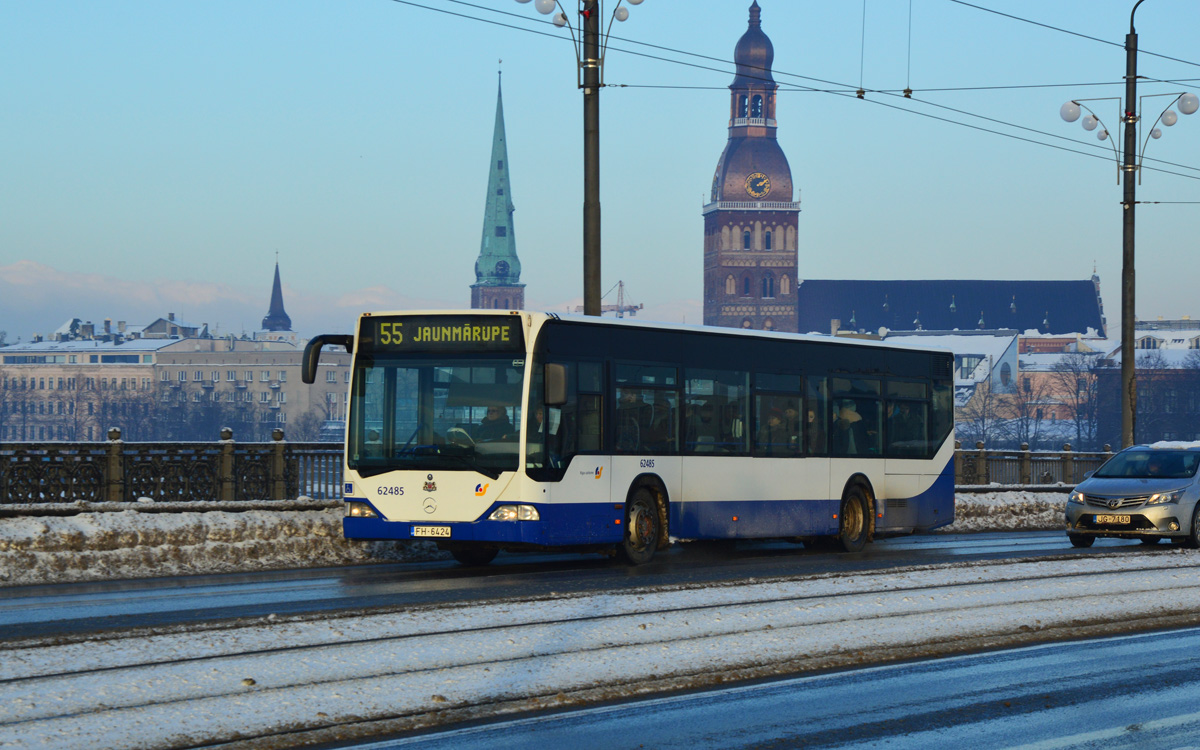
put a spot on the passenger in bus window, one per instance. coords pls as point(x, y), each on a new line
point(662, 423)
point(633, 419)
point(849, 432)
point(815, 435)
point(773, 437)
point(902, 427)
point(703, 428)
point(495, 426)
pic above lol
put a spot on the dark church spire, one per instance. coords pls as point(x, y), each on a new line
point(277, 319)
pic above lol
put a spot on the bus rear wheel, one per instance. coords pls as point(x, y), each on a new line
point(855, 522)
point(474, 556)
point(641, 527)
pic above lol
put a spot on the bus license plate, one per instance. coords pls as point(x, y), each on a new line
point(431, 531)
point(1112, 519)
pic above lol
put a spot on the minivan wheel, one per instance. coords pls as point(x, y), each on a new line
point(1193, 538)
point(1081, 540)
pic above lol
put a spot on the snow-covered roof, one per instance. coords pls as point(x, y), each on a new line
point(90, 345)
point(994, 345)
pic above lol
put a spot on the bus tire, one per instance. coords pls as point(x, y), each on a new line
point(642, 527)
point(856, 522)
point(474, 556)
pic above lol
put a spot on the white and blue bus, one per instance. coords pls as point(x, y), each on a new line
point(491, 430)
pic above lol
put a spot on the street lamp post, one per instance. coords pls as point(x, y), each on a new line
point(590, 45)
point(1130, 164)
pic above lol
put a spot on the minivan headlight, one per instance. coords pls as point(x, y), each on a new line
point(1163, 498)
point(1077, 497)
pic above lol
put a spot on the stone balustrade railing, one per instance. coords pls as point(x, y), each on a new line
point(227, 471)
point(1024, 467)
point(115, 471)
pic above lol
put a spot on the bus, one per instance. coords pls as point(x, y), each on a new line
point(512, 430)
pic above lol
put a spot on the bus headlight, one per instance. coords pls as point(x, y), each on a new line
point(360, 510)
point(515, 513)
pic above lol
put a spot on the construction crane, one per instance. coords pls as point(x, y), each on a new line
point(620, 308)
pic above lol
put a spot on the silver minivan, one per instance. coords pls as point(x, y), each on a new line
point(1146, 492)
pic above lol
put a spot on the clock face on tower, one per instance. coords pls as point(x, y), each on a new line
point(758, 184)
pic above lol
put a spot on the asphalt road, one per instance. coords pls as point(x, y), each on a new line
point(72, 609)
point(1139, 691)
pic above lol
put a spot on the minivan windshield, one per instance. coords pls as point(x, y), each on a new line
point(1150, 463)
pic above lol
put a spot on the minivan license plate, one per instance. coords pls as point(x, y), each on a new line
point(438, 531)
point(1112, 519)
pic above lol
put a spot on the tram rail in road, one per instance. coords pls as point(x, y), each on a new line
point(332, 675)
point(81, 608)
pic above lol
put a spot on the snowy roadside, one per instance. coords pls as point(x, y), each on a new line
point(137, 543)
point(355, 675)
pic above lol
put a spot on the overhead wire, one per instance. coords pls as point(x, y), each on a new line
point(1068, 31)
point(840, 90)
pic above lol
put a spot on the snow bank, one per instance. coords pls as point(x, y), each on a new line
point(137, 544)
point(129, 544)
point(1008, 511)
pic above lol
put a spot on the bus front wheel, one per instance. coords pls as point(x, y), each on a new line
point(855, 522)
point(641, 527)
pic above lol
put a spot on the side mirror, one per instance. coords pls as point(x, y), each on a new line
point(556, 384)
point(312, 353)
point(1088, 474)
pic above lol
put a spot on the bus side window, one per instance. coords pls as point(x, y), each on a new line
point(777, 414)
point(907, 418)
point(717, 407)
point(556, 433)
point(590, 424)
point(816, 417)
point(941, 414)
point(857, 409)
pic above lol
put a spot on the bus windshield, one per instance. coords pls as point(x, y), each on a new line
point(444, 413)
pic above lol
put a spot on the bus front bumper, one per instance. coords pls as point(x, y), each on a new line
point(559, 525)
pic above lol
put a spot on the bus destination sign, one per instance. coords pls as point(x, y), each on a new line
point(443, 333)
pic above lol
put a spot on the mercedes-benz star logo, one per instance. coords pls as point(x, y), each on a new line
point(430, 505)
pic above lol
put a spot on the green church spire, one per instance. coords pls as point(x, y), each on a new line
point(498, 265)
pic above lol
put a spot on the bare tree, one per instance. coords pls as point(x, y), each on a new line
point(979, 418)
point(1154, 397)
point(307, 427)
point(1025, 412)
point(1076, 383)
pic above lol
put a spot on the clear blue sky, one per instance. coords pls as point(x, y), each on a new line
point(155, 155)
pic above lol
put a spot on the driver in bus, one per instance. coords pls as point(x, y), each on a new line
point(495, 425)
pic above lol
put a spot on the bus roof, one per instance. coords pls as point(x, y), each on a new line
point(661, 326)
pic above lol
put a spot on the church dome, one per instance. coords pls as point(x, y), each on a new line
point(741, 160)
point(753, 54)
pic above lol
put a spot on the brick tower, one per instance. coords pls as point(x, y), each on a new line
point(750, 224)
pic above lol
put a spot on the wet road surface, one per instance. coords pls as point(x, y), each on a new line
point(87, 607)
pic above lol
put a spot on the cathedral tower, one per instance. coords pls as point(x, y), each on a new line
point(750, 224)
point(498, 271)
